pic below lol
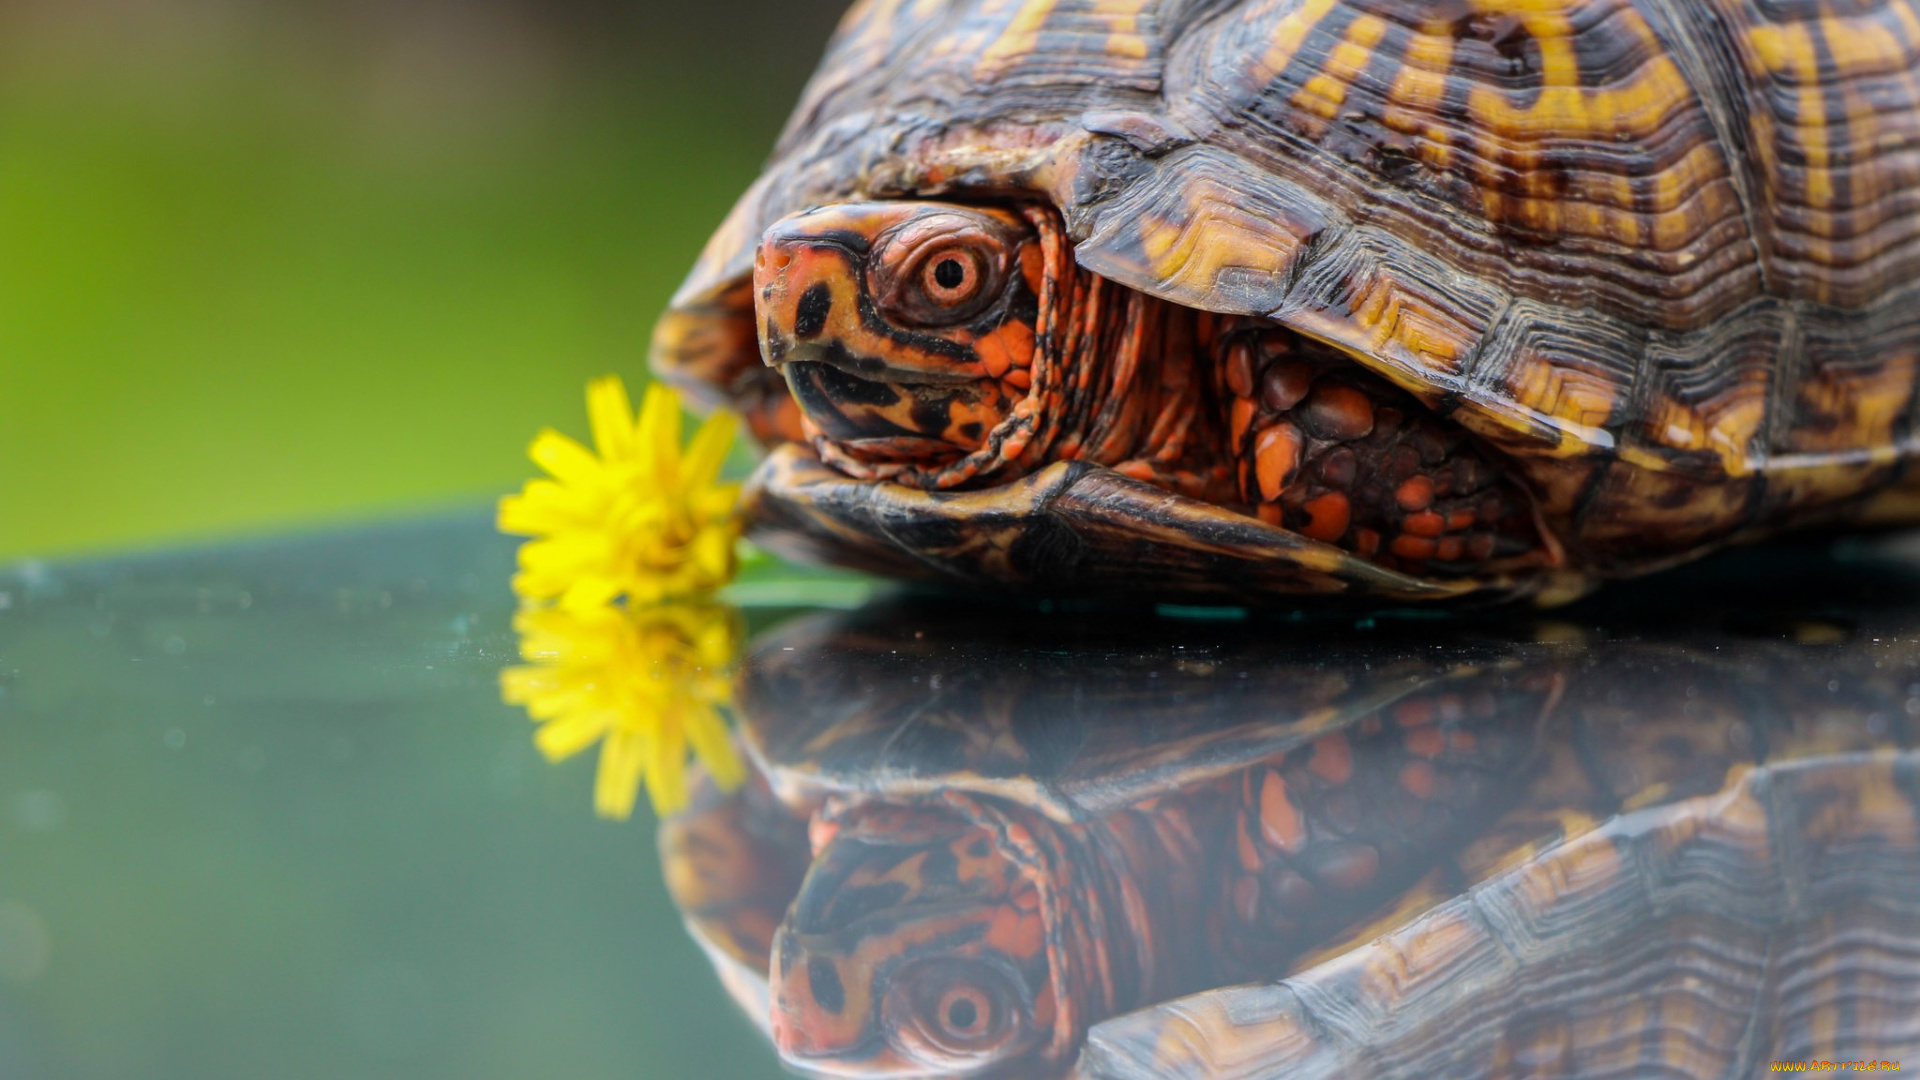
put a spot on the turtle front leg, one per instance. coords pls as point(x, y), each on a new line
point(1338, 830)
point(1331, 451)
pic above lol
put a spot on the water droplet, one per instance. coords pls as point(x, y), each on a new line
point(174, 739)
point(38, 577)
point(175, 645)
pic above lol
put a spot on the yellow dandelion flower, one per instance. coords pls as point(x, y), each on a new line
point(637, 516)
point(647, 684)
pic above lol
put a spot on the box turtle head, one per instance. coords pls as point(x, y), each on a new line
point(931, 938)
point(906, 333)
point(1404, 301)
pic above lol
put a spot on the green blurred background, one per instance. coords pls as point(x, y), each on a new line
point(266, 263)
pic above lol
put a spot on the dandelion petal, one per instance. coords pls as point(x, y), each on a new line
point(565, 459)
point(617, 783)
point(611, 416)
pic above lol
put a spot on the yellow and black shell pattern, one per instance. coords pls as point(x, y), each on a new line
point(1661, 255)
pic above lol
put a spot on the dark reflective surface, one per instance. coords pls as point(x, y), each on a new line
point(262, 813)
point(1669, 832)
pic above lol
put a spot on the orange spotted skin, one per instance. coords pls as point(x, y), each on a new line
point(1656, 261)
point(1361, 814)
point(1340, 456)
point(1021, 362)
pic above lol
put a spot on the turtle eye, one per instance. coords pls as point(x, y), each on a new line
point(942, 270)
point(956, 1011)
point(950, 277)
point(965, 1013)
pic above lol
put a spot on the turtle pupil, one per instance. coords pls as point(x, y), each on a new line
point(948, 273)
point(962, 1014)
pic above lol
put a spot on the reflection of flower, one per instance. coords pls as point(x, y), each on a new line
point(641, 518)
point(649, 682)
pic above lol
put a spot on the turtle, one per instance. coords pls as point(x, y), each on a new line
point(1391, 300)
point(1066, 847)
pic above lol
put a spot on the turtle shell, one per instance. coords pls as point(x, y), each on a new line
point(1672, 843)
point(1066, 716)
point(1648, 946)
point(1663, 256)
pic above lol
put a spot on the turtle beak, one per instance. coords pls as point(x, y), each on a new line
point(807, 297)
point(820, 1007)
point(806, 285)
point(886, 395)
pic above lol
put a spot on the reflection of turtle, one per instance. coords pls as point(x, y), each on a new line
point(1404, 299)
point(975, 848)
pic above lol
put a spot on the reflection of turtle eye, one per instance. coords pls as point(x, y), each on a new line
point(967, 1012)
point(950, 1011)
point(968, 1015)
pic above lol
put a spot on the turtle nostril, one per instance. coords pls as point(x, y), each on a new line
point(771, 259)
